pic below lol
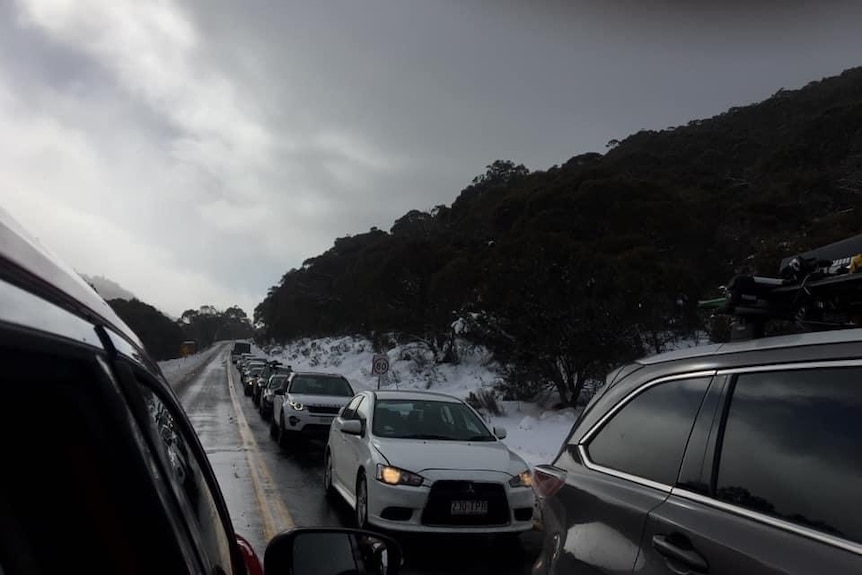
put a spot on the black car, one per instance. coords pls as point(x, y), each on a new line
point(102, 470)
point(742, 457)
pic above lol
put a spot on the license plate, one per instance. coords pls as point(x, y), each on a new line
point(469, 507)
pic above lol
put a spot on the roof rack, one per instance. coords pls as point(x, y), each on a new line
point(818, 290)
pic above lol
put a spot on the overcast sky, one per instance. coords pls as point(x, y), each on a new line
point(195, 151)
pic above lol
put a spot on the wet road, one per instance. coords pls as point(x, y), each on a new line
point(268, 490)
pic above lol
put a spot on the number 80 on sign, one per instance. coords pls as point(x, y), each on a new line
point(380, 364)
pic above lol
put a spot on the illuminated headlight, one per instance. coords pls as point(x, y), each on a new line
point(297, 406)
point(523, 479)
point(394, 476)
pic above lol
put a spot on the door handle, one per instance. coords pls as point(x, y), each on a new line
point(681, 556)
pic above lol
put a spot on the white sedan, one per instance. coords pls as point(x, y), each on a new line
point(423, 461)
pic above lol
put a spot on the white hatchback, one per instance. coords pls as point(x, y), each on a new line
point(426, 462)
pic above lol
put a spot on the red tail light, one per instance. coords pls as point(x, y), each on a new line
point(547, 480)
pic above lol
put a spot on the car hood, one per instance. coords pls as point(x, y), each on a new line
point(319, 400)
point(419, 455)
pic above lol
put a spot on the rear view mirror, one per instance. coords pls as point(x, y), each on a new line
point(331, 551)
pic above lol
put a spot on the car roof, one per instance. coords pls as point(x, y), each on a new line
point(32, 266)
point(319, 374)
point(415, 395)
point(784, 341)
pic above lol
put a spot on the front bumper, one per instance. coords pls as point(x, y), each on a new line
point(307, 423)
point(405, 508)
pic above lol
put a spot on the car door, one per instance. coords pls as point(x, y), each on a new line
point(338, 443)
point(356, 446)
point(780, 492)
point(622, 468)
point(189, 475)
point(278, 400)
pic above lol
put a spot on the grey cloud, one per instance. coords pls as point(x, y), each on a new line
point(267, 129)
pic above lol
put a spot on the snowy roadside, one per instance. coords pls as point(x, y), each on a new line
point(535, 434)
point(176, 370)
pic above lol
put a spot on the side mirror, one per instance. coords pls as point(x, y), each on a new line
point(500, 432)
point(352, 426)
point(331, 551)
point(278, 391)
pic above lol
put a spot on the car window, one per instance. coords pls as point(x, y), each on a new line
point(317, 385)
point(647, 437)
point(351, 407)
point(363, 410)
point(276, 381)
point(791, 448)
point(188, 481)
point(428, 419)
point(354, 413)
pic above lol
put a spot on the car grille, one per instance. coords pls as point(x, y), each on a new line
point(321, 409)
point(438, 509)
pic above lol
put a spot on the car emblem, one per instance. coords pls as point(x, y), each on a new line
point(470, 489)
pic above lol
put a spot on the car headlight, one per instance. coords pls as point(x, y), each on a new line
point(297, 406)
point(394, 476)
point(523, 479)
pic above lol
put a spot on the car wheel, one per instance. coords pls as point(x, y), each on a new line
point(283, 440)
point(327, 476)
point(361, 502)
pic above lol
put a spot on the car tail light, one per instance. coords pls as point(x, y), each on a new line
point(547, 480)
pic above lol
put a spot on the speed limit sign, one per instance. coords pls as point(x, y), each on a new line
point(380, 364)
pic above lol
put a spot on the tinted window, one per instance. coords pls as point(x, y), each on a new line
point(188, 481)
point(276, 381)
point(647, 437)
point(793, 448)
point(424, 419)
point(316, 385)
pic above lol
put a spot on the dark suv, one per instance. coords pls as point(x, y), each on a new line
point(102, 470)
point(736, 458)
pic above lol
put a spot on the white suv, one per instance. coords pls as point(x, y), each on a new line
point(306, 404)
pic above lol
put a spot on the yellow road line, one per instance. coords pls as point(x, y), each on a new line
point(273, 513)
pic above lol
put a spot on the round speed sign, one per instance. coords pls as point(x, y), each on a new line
point(380, 365)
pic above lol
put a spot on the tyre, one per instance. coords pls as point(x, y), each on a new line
point(284, 436)
point(361, 502)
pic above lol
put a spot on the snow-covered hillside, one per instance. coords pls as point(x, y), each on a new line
point(108, 288)
point(534, 433)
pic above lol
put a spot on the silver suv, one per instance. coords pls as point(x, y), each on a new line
point(742, 457)
point(306, 404)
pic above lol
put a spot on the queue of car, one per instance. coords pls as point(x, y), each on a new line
point(408, 461)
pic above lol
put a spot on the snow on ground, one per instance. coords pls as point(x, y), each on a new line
point(176, 369)
point(533, 433)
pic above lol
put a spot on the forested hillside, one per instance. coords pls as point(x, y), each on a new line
point(163, 336)
point(566, 272)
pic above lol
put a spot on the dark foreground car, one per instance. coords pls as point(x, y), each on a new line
point(739, 458)
point(102, 470)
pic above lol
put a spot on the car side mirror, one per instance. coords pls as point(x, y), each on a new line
point(278, 391)
point(352, 427)
point(331, 551)
point(500, 432)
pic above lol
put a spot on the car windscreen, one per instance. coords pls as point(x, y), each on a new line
point(428, 419)
point(255, 370)
point(317, 385)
